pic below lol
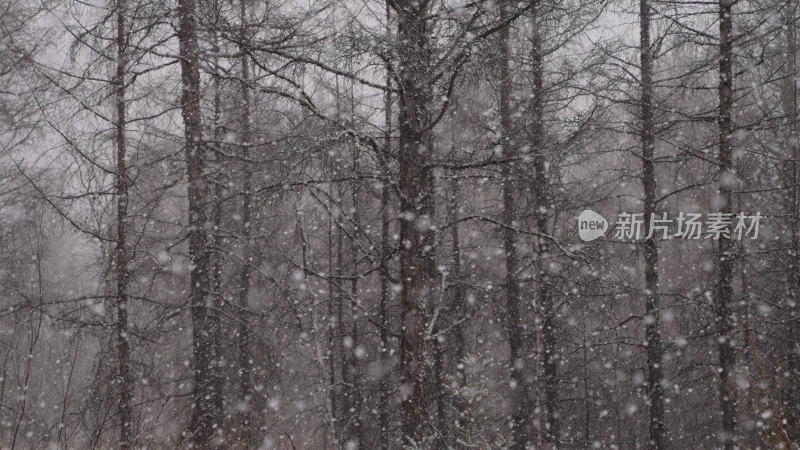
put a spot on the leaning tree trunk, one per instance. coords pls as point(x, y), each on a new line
point(655, 391)
point(204, 416)
point(724, 290)
point(122, 258)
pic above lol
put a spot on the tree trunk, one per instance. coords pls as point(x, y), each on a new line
point(457, 306)
point(790, 133)
point(385, 392)
point(724, 295)
point(346, 391)
point(216, 258)
point(356, 429)
point(332, 325)
point(243, 334)
point(791, 144)
point(522, 411)
point(415, 141)
point(434, 376)
point(541, 193)
point(385, 384)
point(204, 416)
point(458, 312)
point(122, 259)
point(655, 391)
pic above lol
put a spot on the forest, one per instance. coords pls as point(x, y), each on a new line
point(399, 224)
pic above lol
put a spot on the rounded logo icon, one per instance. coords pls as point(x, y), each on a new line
point(591, 225)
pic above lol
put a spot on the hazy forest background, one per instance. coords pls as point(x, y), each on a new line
point(352, 224)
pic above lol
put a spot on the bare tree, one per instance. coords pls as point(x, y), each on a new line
point(414, 124)
point(655, 390)
point(518, 353)
point(204, 416)
point(362, 232)
point(121, 260)
point(246, 394)
point(726, 251)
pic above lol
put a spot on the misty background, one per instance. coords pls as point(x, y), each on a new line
point(353, 224)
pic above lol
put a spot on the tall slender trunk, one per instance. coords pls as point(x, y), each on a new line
point(655, 391)
point(204, 416)
point(122, 259)
point(35, 333)
point(245, 364)
point(415, 141)
point(439, 395)
point(356, 399)
point(448, 402)
point(791, 145)
point(434, 390)
point(383, 414)
point(522, 411)
point(216, 258)
point(550, 428)
point(346, 392)
point(724, 295)
point(385, 383)
point(586, 396)
point(790, 135)
point(332, 391)
point(457, 307)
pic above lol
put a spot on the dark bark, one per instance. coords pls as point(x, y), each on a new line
point(216, 241)
point(204, 416)
point(434, 389)
point(122, 261)
point(457, 306)
point(385, 383)
point(791, 144)
point(725, 256)
point(655, 391)
point(790, 132)
point(332, 326)
point(542, 204)
point(356, 429)
point(346, 391)
point(518, 365)
point(415, 142)
point(245, 362)
point(385, 392)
